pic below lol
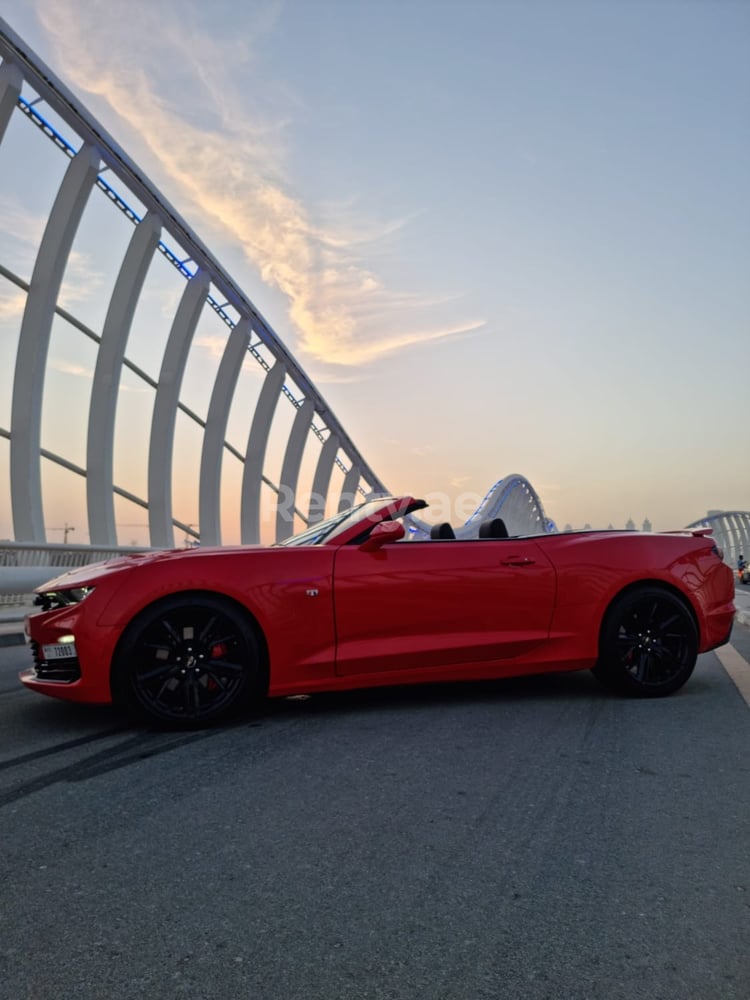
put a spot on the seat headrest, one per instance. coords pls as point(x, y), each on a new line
point(443, 530)
point(493, 529)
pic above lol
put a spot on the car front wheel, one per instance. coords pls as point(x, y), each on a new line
point(648, 644)
point(188, 661)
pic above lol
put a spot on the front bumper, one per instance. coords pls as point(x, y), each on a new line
point(84, 677)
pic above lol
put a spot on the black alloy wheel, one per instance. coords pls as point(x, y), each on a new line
point(648, 645)
point(187, 661)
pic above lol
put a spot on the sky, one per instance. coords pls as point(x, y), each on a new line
point(501, 237)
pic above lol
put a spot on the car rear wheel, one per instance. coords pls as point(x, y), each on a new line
point(188, 661)
point(648, 644)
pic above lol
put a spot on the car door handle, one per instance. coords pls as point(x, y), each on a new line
point(517, 561)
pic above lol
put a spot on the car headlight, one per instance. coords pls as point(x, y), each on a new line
point(51, 600)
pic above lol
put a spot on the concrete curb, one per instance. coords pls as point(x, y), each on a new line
point(12, 638)
point(11, 625)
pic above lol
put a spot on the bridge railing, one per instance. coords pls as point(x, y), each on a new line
point(26, 565)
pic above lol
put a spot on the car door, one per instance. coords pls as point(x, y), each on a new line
point(434, 603)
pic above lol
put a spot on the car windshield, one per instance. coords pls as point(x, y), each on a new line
point(316, 534)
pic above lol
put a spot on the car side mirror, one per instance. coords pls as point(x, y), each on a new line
point(381, 534)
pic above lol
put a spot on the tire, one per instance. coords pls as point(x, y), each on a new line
point(188, 661)
point(648, 644)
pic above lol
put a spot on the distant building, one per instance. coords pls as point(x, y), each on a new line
point(647, 525)
point(630, 526)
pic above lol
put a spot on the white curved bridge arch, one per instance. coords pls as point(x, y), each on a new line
point(94, 164)
point(29, 88)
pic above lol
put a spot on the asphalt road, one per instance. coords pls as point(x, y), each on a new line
point(530, 839)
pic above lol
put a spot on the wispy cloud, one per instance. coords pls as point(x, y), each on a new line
point(80, 282)
point(230, 166)
point(20, 235)
point(18, 221)
point(70, 368)
point(12, 304)
point(338, 377)
point(214, 346)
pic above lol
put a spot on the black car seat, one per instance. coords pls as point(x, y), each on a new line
point(443, 530)
point(493, 529)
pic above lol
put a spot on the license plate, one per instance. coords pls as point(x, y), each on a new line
point(60, 651)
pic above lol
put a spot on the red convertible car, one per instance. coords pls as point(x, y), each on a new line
point(186, 637)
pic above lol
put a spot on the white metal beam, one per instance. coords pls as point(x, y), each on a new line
point(349, 489)
point(33, 344)
point(290, 470)
point(322, 479)
point(235, 353)
point(161, 447)
point(11, 82)
point(104, 392)
point(255, 456)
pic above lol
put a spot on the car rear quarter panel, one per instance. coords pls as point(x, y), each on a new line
point(593, 569)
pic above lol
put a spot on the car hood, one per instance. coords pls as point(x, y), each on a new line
point(90, 574)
